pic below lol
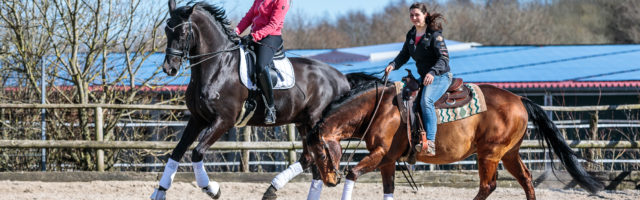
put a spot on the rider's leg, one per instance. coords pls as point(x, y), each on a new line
point(431, 93)
point(264, 57)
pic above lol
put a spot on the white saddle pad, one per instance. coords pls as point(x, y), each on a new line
point(286, 77)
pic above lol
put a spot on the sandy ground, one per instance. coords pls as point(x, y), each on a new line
point(233, 190)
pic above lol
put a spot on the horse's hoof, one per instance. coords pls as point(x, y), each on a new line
point(270, 194)
point(213, 190)
point(159, 194)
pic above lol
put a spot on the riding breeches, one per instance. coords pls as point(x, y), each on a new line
point(265, 51)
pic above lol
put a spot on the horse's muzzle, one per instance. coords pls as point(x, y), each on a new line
point(169, 69)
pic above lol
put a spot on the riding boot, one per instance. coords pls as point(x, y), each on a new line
point(264, 80)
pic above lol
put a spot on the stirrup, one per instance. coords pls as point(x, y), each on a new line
point(270, 116)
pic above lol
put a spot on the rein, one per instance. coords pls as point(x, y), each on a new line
point(344, 171)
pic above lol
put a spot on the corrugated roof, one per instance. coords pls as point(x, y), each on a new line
point(551, 66)
point(337, 56)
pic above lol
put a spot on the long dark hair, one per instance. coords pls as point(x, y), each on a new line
point(433, 19)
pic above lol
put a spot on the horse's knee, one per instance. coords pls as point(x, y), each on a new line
point(488, 187)
point(196, 156)
point(492, 186)
point(305, 160)
point(351, 175)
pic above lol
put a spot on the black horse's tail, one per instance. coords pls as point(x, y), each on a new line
point(556, 143)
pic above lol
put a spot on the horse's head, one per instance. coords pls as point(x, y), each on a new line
point(180, 38)
point(324, 146)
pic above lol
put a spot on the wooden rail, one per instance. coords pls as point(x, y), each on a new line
point(182, 107)
point(292, 146)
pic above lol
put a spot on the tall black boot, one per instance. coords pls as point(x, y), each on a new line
point(264, 82)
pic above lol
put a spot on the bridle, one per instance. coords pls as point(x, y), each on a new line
point(336, 169)
point(185, 45)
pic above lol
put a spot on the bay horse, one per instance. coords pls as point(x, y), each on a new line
point(494, 135)
point(215, 94)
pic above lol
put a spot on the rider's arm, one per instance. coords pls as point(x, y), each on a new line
point(441, 52)
point(276, 20)
point(402, 57)
point(247, 19)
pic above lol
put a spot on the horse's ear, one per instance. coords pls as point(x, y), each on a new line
point(172, 5)
point(190, 11)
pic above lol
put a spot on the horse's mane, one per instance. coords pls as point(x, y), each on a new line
point(218, 13)
point(360, 84)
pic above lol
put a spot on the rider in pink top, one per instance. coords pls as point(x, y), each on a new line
point(266, 18)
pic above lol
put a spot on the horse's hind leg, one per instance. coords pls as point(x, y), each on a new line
point(513, 163)
point(188, 137)
point(487, 169)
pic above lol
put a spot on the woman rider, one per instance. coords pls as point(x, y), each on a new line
point(266, 18)
point(425, 44)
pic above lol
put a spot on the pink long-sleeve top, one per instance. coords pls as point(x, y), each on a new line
point(266, 17)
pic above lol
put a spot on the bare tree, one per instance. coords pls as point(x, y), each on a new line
point(96, 46)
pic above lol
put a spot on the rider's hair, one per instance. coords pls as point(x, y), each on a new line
point(433, 19)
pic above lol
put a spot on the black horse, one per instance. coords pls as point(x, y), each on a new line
point(215, 95)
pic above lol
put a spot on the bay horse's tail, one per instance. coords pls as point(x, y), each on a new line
point(556, 143)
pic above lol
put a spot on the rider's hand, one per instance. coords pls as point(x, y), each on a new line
point(246, 39)
point(388, 69)
point(428, 79)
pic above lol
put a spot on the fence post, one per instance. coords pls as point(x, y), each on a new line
point(246, 134)
point(593, 130)
point(99, 125)
point(291, 131)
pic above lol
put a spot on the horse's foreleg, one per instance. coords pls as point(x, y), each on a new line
point(294, 170)
point(388, 174)
point(487, 169)
point(188, 137)
point(367, 164)
point(211, 135)
point(202, 179)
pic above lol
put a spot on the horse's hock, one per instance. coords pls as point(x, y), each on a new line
point(616, 180)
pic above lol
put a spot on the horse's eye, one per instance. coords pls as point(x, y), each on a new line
point(323, 157)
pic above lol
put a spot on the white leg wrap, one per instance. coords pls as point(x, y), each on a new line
point(348, 189)
point(285, 176)
point(201, 174)
point(315, 190)
point(388, 196)
point(168, 174)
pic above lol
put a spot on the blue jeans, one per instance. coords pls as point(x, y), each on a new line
point(430, 94)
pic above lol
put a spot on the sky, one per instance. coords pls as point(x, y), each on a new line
point(311, 8)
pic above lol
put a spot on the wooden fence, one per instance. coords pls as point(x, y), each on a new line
point(247, 145)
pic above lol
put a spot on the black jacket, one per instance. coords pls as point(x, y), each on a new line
point(431, 54)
